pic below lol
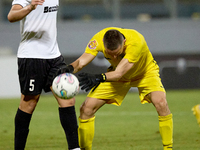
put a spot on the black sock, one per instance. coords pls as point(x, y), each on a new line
point(22, 121)
point(69, 123)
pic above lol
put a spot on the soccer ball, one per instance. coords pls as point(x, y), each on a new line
point(66, 85)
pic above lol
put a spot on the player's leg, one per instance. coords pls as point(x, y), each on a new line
point(23, 118)
point(151, 90)
point(68, 121)
point(30, 77)
point(66, 108)
point(106, 92)
point(87, 120)
point(196, 112)
point(158, 99)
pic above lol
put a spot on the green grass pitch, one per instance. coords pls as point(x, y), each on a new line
point(132, 126)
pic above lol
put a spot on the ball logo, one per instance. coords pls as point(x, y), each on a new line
point(63, 93)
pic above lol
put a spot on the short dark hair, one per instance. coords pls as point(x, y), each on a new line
point(112, 39)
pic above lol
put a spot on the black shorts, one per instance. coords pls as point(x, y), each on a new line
point(37, 74)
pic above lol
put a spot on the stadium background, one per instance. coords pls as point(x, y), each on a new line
point(171, 29)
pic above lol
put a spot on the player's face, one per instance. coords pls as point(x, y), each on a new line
point(117, 52)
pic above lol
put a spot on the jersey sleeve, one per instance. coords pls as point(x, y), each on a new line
point(23, 3)
point(95, 45)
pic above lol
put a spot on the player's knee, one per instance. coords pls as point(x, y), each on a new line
point(28, 103)
point(28, 107)
point(161, 104)
point(32, 105)
point(86, 111)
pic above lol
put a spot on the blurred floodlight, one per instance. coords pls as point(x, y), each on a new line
point(144, 17)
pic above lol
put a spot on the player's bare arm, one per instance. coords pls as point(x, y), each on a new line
point(17, 12)
point(123, 67)
point(77, 65)
point(88, 81)
point(82, 61)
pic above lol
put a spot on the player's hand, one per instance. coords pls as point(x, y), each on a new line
point(34, 3)
point(88, 81)
point(65, 69)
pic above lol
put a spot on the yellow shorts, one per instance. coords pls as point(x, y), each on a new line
point(114, 92)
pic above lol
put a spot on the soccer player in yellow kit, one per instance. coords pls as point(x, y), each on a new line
point(132, 65)
point(196, 112)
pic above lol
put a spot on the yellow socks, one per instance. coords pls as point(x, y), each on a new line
point(166, 131)
point(86, 133)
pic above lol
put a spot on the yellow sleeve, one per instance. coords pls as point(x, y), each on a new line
point(95, 44)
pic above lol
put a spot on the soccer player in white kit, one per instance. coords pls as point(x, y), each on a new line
point(39, 59)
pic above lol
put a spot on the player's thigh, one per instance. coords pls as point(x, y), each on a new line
point(157, 96)
point(31, 75)
point(148, 85)
point(90, 106)
point(111, 92)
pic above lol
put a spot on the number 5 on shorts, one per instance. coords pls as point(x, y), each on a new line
point(31, 85)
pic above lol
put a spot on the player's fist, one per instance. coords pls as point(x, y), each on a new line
point(65, 69)
point(88, 81)
point(34, 3)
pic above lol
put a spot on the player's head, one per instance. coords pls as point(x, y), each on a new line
point(112, 39)
point(114, 42)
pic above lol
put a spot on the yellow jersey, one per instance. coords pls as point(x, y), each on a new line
point(136, 51)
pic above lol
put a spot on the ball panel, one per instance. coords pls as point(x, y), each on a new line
point(66, 85)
